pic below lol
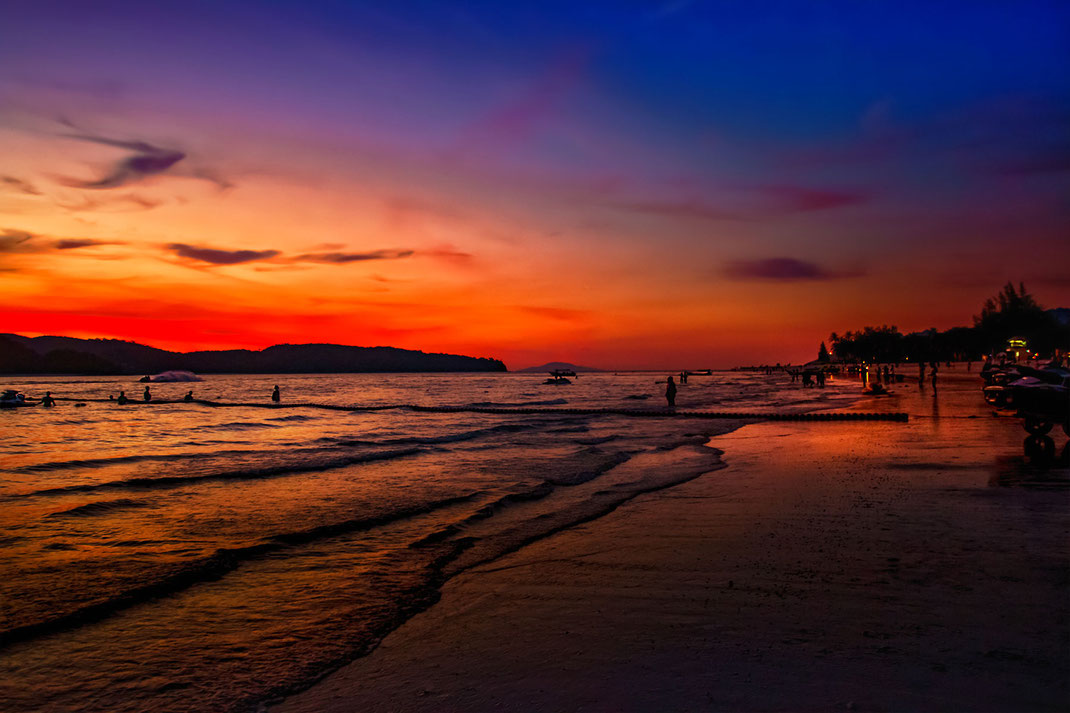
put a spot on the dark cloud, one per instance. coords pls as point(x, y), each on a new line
point(215, 256)
point(75, 243)
point(337, 258)
point(14, 240)
point(450, 254)
point(797, 199)
point(781, 269)
point(147, 160)
point(19, 185)
point(748, 203)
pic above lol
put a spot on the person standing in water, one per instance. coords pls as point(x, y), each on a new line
point(275, 395)
point(48, 401)
point(148, 396)
point(188, 397)
point(122, 398)
point(670, 393)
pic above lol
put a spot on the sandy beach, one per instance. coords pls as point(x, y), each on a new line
point(827, 566)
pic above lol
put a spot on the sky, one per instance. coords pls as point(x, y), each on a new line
point(664, 184)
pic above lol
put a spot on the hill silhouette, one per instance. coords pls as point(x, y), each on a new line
point(551, 365)
point(69, 355)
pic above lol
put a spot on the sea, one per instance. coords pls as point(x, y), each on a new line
point(181, 557)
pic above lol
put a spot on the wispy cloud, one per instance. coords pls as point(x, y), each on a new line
point(340, 258)
point(19, 185)
point(22, 241)
point(782, 269)
point(798, 199)
point(222, 256)
point(14, 240)
point(216, 256)
point(146, 160)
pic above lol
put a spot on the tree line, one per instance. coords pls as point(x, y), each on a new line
point(1011, 313)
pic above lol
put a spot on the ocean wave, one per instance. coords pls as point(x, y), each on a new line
point(175, 481)
point(430, 440)
point(518, 404)
point(100, 508)
point(236, 426)
point(120, 460)
point(213, 567)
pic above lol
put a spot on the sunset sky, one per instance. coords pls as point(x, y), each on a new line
point(624, 184)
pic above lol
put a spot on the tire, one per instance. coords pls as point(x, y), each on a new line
point(1036, 426)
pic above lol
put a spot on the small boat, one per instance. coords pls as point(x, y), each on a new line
point(557, 376)
point(170, 377)
point(14, 399)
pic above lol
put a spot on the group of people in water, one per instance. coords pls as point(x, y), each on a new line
point(123, 399)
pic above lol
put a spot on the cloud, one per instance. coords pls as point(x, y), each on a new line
point(798, 199)
point(112, 204)
point(339, 258)
point(147, 160)
point(215, 256)
point(449, 253)
point(747, 203)
point(781, 269)
point(14, 240)
point(75, 243)
point(218, 256)
point(20, 185)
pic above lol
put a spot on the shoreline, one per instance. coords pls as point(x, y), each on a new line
point(605, 617)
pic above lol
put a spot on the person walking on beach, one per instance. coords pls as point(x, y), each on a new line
point(148, 396)
point(921, 373)
point(670, 393)
point(275, 395)
point(122, 398)
point(934, 381)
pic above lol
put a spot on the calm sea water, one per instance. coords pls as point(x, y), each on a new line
point(183, 558)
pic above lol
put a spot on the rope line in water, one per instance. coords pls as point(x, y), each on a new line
point(648, 413)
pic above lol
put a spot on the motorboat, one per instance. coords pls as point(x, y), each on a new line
point(558, 376)
point(14, 399)
point(1041, 397)
point(175, 376)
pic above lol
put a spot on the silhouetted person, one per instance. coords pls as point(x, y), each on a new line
point(111, 397)
point(188, 397)
point(821, 378)
point(122, 398)
point(147, 396)
point(887, 374)
point(921, 373)
point(670, 393)
point(48, 401)
point(934, 381)
point(275, 395)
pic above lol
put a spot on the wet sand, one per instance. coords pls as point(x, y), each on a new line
point(829, 566)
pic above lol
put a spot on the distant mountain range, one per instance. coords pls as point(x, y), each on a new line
point(551, 365)
point(68, 355)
